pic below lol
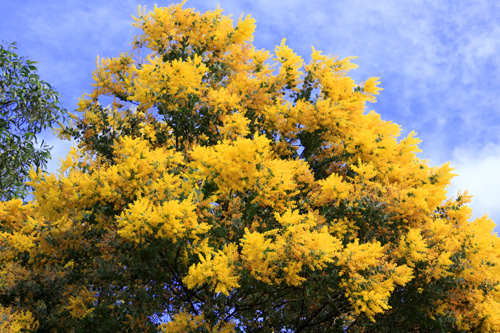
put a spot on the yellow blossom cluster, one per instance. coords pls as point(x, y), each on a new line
point(278, 256)
point(16, 321)
point(187, 322)
point(370, 278)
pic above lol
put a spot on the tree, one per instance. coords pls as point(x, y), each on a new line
point(27, 107)
point(219, 192)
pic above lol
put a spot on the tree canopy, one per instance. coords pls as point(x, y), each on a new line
point(28, 106)
point(227, 188)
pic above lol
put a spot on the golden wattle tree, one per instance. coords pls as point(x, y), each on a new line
point(227, 188)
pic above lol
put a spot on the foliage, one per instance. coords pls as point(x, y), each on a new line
point(229, 189)
point(27, 107)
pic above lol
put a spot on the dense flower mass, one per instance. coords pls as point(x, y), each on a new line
point(229, 189)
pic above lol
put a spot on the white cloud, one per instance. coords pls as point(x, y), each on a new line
point(478, 171)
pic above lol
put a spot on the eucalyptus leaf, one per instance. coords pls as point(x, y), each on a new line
point(28, 106)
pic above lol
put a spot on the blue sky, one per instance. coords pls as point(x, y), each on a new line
point(437, 60)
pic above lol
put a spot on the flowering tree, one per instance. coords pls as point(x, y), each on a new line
point(228, 189)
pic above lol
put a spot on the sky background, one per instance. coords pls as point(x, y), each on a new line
point(437, 62)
